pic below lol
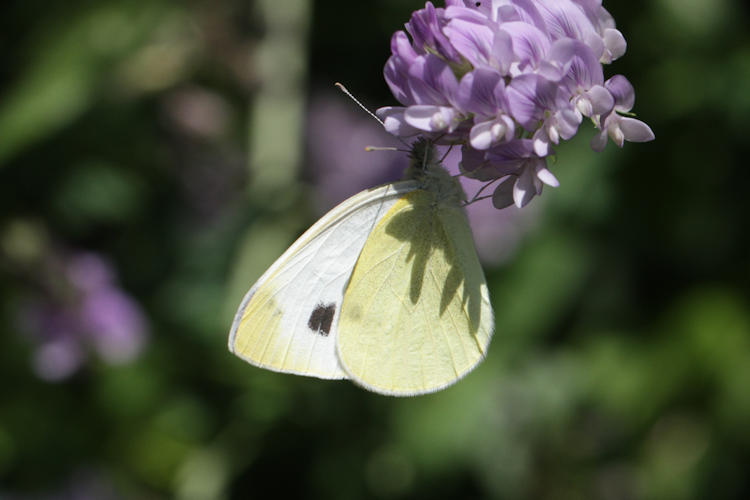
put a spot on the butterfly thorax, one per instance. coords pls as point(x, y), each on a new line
point(426, 169)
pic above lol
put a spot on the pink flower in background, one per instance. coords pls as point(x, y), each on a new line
point(84, 312)
point(339, 167)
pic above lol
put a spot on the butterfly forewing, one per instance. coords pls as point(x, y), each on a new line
point(288, 321)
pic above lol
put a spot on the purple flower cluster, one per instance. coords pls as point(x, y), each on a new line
point(85, 310)
point(507, 80)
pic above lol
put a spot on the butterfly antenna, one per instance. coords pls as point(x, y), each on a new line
point(369, 148)
point(384, 148)
point(345, 91)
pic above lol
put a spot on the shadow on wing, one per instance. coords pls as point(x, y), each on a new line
point(428, 228)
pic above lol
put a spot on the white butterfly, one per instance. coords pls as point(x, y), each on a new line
point(386, 289)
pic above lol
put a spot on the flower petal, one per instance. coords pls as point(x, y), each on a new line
point(472, 163)
point(565, 19)
point(472, 40)
point(502, 52)
point(481, 135)
point(432, 81)
point(615, 45)
point(525, 11)
point(635, 130)
point(567, 123)
point(524, 189)
point(503, 195)
point(601, 100)
point(541, 142)
point(599, 141)
point(529, 96)
point(622, 91)
point(394, 121)
point(425, 27)
point(477, 92)
point(511, 154)
point(430, 118)
point(547, 177)
point(401, 47)
point(530, 44)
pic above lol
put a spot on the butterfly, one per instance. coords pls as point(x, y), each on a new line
point(386, 289)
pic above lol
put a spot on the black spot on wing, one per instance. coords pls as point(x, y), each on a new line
point(321, 319)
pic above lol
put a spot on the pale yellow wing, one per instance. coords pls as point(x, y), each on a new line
point(288, 321)
point(416, 315)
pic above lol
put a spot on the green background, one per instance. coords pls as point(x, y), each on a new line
point(173, 140)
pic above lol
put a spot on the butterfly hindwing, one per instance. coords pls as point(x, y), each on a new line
point(416, 315)
point(288, 321)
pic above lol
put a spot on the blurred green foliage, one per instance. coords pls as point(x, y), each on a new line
point(168, 137)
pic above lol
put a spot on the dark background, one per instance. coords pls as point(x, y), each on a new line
point(156, 156)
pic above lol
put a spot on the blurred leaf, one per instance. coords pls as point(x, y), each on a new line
point(194, 303)
point(6, 450)
point(673, 449)
point(389, 472)
point(714, 325)
point(204, 475)
point(697, 18)
point(184, 417)
point(586, 179)
point(131, 390)
point(276, 116)
point(67, 68)
point(537, 288)
point(155, 456)
point(443, 429)
point(23, 241)
point(97, 192)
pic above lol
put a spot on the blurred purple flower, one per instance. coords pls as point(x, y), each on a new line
point(114, 323)
point(486, 75)
point(338, 133)
point(88, 272)
point(58, 358)
point(86, 312)
point(337, 136)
